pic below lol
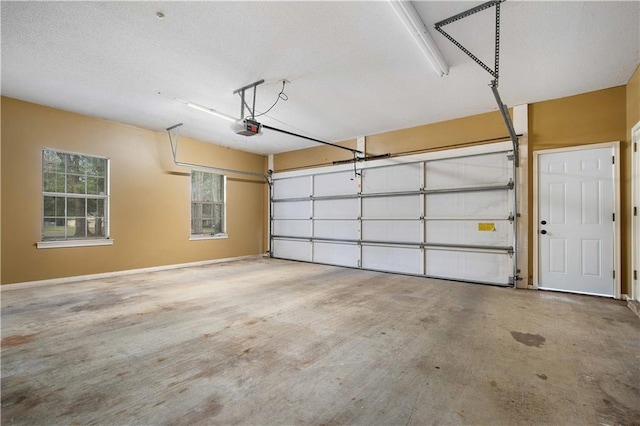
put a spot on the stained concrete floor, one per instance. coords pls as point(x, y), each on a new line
point(276, 342)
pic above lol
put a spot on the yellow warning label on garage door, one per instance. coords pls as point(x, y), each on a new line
point(486, 226)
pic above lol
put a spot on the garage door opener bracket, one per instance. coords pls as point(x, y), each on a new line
point(495, 72)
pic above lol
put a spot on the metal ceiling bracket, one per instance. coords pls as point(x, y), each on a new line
point(438, 26)
point(495, 72)
point(174, 151)
point(242, 90)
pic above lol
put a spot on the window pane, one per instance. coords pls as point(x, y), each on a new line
point(95, 166)
point(218, 211)
point(54, 206)
point(76, 227)
point(75, 207)
point(196, 226)
point(52, 161)
point(74, 164)
point(101, 186)
point(218, 188)
point(95, 227)
point(53, 182)
point(218, 217)
point(196, 210)
point(92, 185)
point(92, 207)
point(76, 184)
point(49, 206)
point(49, 182)
point(53, 228)
point(100, 167)
point(207, 210)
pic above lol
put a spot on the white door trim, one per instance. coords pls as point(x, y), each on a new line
point(635, 221)
point(616, 208)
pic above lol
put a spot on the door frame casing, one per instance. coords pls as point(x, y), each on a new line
point(635, 222)
point(616, 208)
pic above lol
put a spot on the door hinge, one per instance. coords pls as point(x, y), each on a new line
point(614, 275)
point(635, 147)
point(613, 159)
point(635, 274)
point(635, 211)
point(614, 217)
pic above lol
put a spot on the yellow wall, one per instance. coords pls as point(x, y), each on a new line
point(150, 197)
point(317, 156)
point(445, 134)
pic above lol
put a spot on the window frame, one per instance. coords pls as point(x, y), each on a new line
point(77, 241)
point(220, 235)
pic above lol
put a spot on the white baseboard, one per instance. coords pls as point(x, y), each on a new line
point(65, 280)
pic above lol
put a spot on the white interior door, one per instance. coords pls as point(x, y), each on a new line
point(575, 227)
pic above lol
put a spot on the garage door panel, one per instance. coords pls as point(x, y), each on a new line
point(336, 209)
point(297, 187)
point(485, 267)
point(405, 177)
point(492, 232)
point(292, 210)
point(342, 183)
point(492, 204)
point(292, 249)
point(405, 207)
point(437, 216)
point(337, 229)
point(292, 228)
point(481, 170)
point(392, 259)
point(406, 231)
point(336, 254)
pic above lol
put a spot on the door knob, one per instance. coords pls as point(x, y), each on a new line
point(543, 232)
point(544, 222)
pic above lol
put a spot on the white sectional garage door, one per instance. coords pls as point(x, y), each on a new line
point(446, 215)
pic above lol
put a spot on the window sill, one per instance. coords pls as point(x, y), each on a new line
point(208, 237)
point(74, 243)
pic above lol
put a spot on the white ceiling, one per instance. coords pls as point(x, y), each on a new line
point(353, 67)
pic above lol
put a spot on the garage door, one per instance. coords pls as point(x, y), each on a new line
point(445, 215)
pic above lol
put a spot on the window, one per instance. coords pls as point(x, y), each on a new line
point(208, 205)
point(75, 191)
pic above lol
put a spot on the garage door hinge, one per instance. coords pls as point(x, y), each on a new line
point(359, 264)
point(635, 274)
point(510, 157)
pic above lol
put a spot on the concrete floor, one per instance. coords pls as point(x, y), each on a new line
point(278, 342)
